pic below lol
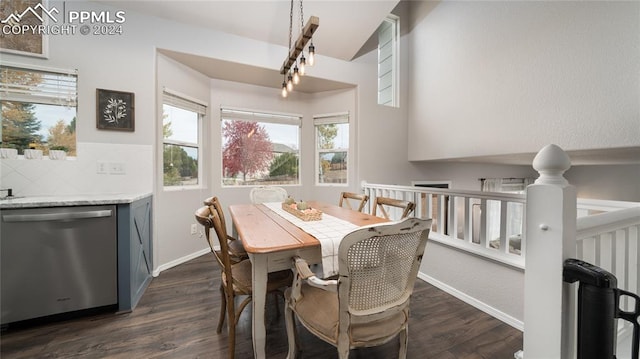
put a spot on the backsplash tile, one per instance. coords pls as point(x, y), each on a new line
point(79, 175)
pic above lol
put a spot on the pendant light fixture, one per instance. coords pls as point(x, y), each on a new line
point(293, 74)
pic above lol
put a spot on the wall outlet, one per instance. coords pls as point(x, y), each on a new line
point(194, 228)
point(117, 168)
point(102, 168)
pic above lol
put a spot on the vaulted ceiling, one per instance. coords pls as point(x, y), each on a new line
point(345, 26)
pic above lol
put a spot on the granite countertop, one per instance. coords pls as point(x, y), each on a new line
point(70, 200)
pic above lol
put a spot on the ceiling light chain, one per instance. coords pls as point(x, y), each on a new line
point(292, 74)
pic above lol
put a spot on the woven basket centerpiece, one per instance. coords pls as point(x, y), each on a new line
point(305, 214)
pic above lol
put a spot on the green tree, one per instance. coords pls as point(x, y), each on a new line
point(19, 125)
point(326, 135)
point(284, 165)
point(60, 137)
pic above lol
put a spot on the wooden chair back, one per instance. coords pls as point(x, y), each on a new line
point(360, 197)
point(384, 202)
point(209, 218)
point(236, 250)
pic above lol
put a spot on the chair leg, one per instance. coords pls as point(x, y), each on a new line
point(291, 331)
point(404, 341)
point(231, 324)
point(223, 309)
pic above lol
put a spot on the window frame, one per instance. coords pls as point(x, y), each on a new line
point(188, 103)
point(58, 93)
point(327, 119)
point(259, 116)
point(392, 23)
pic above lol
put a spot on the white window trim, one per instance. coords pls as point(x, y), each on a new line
point(394, 21)
point(326, 119)
point(186, 102)
point(245, 114)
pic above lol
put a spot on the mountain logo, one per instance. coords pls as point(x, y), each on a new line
point(15, 18)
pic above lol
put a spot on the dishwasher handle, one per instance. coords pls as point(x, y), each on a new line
point(56, 216)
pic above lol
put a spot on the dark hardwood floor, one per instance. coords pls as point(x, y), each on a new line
point(177, 317)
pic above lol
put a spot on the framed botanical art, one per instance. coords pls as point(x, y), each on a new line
point(18, 16)
point(115, 110)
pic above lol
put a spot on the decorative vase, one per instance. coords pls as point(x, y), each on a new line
point(57, 154)
point(8, 153)
point(33, 154)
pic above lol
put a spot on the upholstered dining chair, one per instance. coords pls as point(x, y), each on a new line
point(236, 250)
point(361, 199)
point(368, 304)
point(236, 277)
point(264, 194)
point(385, 203)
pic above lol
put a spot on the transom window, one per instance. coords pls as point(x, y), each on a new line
point(181, 123)
point(38, 109)
point(260, 148)
point(388, 79)
point(332, 148)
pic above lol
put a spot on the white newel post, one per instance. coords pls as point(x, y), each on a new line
point(551, 238)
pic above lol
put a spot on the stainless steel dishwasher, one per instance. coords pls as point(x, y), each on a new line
point(57, 260)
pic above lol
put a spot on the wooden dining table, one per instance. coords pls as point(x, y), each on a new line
point(271, 241)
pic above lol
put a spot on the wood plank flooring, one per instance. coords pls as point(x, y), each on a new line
point(178, 314)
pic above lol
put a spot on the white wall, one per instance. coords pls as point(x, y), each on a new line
point(509, 77)
point(107, 62)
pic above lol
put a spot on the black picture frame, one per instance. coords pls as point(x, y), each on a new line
point(115, 110)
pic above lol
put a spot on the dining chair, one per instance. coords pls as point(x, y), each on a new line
point(385, 202)
point(346, 196)
point(236, 277)
point(264, 194)
point(368, 304)
point(236, 250)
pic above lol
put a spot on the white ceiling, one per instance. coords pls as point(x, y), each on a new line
point(345, 26)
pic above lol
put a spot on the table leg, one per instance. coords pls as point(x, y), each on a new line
point(259, 277)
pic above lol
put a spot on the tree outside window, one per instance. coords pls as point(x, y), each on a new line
point(260, 152)
point(180, 132)
point(332, 148)
point(38, 110)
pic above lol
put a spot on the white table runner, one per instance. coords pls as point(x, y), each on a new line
point(329, 231)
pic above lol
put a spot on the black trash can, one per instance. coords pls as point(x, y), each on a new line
point(598, 309)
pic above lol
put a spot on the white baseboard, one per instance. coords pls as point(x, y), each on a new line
point(181, 260)
point(517, 324)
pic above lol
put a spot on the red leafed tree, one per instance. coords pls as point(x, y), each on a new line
point(247, 149)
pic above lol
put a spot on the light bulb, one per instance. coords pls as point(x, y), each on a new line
point(290, 83)
point(303, 62)
point(296, 76)
point(312, 55)
point(284, 90)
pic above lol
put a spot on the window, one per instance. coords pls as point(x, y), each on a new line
point(181, 121)
point(388, 81)
point(332, 147)
point(260, 148)
point(38, 109)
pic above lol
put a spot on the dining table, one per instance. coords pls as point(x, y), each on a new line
point(272, 238)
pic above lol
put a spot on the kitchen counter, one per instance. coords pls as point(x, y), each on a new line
point(70, 200)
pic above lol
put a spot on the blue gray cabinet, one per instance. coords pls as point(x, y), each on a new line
point(135, 260)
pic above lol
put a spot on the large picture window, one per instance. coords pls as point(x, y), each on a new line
point(332, 148)
point(38, 109)
point(181, 123)
point(260, 148)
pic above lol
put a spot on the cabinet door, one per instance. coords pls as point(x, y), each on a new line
point(135, 251)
